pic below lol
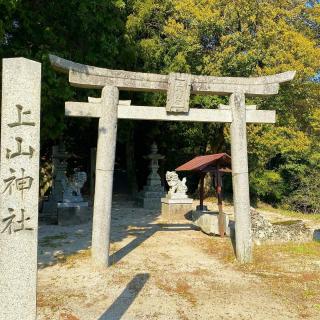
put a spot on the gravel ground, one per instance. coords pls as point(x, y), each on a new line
point(159, 271)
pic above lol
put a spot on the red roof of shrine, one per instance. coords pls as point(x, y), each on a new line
point(205, 163)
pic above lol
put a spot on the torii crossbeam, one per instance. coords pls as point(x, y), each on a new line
point(178, 87)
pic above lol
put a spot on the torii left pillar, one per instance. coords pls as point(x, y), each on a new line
point(106, 145)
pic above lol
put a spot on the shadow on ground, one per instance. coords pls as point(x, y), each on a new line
point(144, 232)
point(126, 298)
point(128, 220)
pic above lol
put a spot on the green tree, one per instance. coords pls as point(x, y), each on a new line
point(90, 32)
point(241, 38)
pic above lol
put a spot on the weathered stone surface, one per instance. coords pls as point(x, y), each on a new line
point(194, 115)
point(227, 107)
point(106, 109)
point(175, 209)
point(93, 156)
point(64, 190)
point(19, 185)
point(106, 147)
point(84, 109)
point(315, 234)
point(265, 231)
point(72, 187)
point(176, 205)
point(85, 76)
point(153, 191)
point(150, 202)
point(240, 178)
point(177, 187)
point(77, 213)
point(49, 212)
point(98, 100)
point(178, 94)
point(208, 222)
point(150, 199)
point(92, 77)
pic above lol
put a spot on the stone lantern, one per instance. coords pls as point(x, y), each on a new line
point(153, 191)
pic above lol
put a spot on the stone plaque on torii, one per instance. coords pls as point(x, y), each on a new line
point(178, 87)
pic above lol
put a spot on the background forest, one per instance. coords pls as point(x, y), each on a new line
point(209, 37)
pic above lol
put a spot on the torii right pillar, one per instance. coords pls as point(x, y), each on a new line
point(240, 178)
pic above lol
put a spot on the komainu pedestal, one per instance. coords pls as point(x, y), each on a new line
point(175, 209)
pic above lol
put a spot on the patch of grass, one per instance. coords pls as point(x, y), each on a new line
point(263, 255)
point(287, 268)
point(199, 272)
point(73, 259)
point(286, 223)
point(56, 300)
point(289, 213)
point(68, 316)
point(184, 290)
point(288, 271)
point(180, 287)
point(309, 293)
point(308, 248)
point(285, 261)
point(221, 247)
point(214, 200)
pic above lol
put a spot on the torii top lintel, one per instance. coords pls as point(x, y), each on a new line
point(85, 76)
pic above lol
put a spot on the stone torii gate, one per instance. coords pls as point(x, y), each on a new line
point(178, 86)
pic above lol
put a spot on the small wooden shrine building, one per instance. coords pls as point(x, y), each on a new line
point(218, 164)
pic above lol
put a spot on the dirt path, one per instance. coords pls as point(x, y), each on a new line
point(159, 271)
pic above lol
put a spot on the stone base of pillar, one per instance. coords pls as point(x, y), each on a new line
point(73, 213)
point(150, 203)
point(175, 209)
point(150, 197)
point(48, 212)
point(208, 222)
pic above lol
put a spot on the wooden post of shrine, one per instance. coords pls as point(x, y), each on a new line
point(222, 215)
point(201, 191)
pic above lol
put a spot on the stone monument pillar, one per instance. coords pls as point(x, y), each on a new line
point(59, 160)
point(176, 204)
point(150, 196)
point(19, 184)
